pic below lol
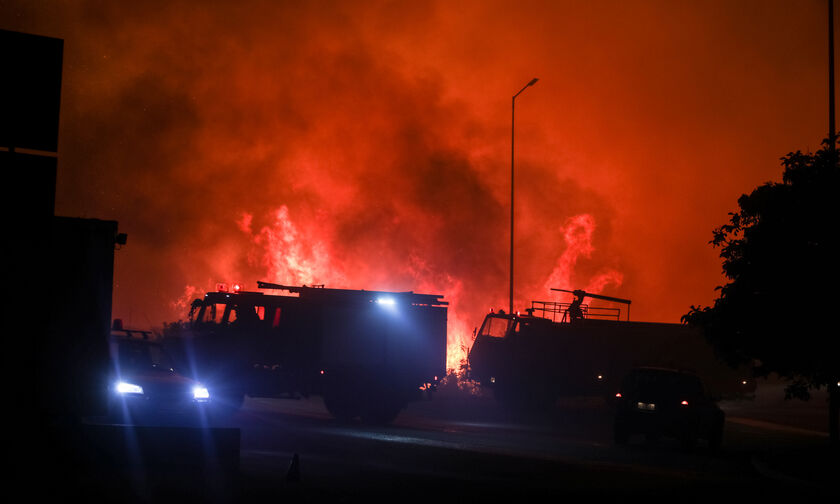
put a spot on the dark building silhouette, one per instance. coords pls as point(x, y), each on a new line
point(62, 277)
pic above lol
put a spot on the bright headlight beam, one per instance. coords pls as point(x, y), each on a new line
point(387, 301)
point(201, 393)
point(129, 388)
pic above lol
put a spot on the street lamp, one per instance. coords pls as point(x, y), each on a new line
point(512, 114)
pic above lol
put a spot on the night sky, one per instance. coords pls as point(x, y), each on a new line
point(367, 144)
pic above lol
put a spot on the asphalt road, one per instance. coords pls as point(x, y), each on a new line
point(463, 446)
point(459, 445)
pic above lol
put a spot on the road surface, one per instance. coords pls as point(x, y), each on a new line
point(461, 445)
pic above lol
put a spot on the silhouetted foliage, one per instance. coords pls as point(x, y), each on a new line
point(780, 255)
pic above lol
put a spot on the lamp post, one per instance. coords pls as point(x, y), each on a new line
point(831, 130)
point(512, 114)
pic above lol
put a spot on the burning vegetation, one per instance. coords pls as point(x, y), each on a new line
point(301, 256)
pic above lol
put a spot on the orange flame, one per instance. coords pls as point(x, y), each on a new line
point(287, 253)
point(577, 233)
point(294, 256)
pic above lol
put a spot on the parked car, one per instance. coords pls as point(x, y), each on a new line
point(667, 402)
point(145, 387)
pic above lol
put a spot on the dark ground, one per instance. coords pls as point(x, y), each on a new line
point(459, 446)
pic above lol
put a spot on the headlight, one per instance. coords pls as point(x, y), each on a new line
point(129, 388)
point(200, 393)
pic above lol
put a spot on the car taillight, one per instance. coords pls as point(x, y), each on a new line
point(618, 394)
point(684, 403)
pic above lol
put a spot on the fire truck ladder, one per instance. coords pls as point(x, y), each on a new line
point(322, 294)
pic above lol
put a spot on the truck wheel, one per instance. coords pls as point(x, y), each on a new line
point(523, 398)
point(382, 411)
point(342, 396)
point(341, 407)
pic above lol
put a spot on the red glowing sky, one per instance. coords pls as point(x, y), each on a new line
point(367, 144)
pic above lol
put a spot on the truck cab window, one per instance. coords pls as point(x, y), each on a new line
point(495, 327)
point(210, 312)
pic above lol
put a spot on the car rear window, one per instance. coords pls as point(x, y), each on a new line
point(662, 383)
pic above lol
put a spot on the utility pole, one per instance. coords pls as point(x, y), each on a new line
point(512, 114)
point(831, 129)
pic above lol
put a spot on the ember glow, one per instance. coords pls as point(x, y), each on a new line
point(366, 144)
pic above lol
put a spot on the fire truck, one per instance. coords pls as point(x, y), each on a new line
point(573, 349)
point(368, 353)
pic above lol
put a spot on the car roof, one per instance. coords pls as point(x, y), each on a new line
point(662, 370)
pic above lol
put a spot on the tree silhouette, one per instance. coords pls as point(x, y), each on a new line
point(780, 254)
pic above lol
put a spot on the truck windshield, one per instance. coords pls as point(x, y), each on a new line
point(495, 327)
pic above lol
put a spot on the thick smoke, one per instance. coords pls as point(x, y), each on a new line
point(367, 144)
